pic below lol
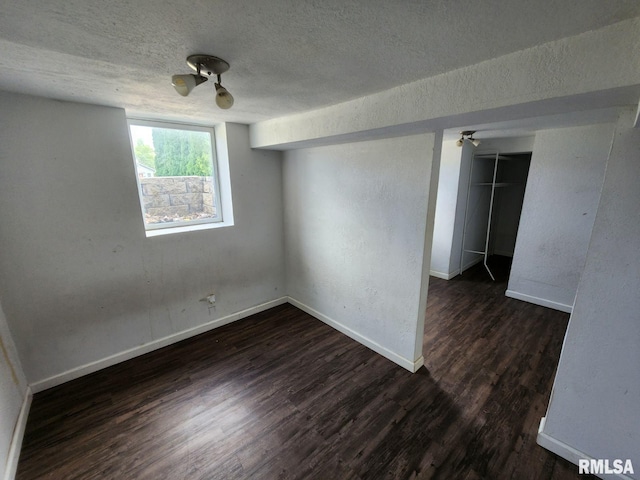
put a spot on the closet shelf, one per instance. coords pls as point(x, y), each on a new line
point(499, 184)
point(489, 156)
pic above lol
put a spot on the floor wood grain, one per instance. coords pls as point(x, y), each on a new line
point(280, 395)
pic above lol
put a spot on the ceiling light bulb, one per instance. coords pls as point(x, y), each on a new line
point(224, 99)
point(185, 83)
point(459, 142)
point(475, 142)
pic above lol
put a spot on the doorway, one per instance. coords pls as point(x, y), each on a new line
point(494, 197)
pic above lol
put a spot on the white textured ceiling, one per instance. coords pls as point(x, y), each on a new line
point(286, 56)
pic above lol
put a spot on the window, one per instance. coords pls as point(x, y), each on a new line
point(177, 176)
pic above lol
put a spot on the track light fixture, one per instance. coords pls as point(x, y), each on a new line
point(204, 65)
point(467, 135)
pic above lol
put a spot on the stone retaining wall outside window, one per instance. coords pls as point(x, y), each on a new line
point(170, 199)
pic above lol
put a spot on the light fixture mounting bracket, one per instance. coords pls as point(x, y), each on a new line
point(467, 133)
point(207, 64)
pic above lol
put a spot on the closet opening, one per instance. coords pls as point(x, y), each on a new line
point(494, 198)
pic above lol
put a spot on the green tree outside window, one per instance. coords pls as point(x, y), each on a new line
point(181, 153)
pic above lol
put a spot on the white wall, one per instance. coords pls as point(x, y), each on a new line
point(13, 399)
point(450, 207)
point(355, 220)
point(561, 198)
point(595, 405)
point(81, 285)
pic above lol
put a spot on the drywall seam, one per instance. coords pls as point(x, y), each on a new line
point(411, 365)
point(149, 347)
point(18, 434)
point(543, 302)
point(566, 451)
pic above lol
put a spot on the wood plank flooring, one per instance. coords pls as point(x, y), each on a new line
point(280, 395)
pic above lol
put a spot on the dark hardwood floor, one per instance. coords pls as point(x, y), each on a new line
point(281, 395)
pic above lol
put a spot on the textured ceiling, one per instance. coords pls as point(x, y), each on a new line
point(286, 56)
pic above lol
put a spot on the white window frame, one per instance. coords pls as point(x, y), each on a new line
point(221, 186)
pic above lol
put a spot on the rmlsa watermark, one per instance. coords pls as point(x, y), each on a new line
point(602, 466)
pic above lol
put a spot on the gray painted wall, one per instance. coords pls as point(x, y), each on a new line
point(355, 220)
point(79, 281)
point(561, 198)
point(595, 404)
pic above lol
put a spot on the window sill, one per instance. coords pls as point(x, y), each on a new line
point(186, 228)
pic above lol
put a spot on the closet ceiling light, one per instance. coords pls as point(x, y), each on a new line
point(467, 135)
point(204, 65)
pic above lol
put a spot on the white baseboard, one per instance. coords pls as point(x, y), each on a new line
point(149, 347)
point(410, 365)
point(450, 275)
point(16, 440)
point(539, 301)
point(82, 370)
point(566, 451)
point(442, 275)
